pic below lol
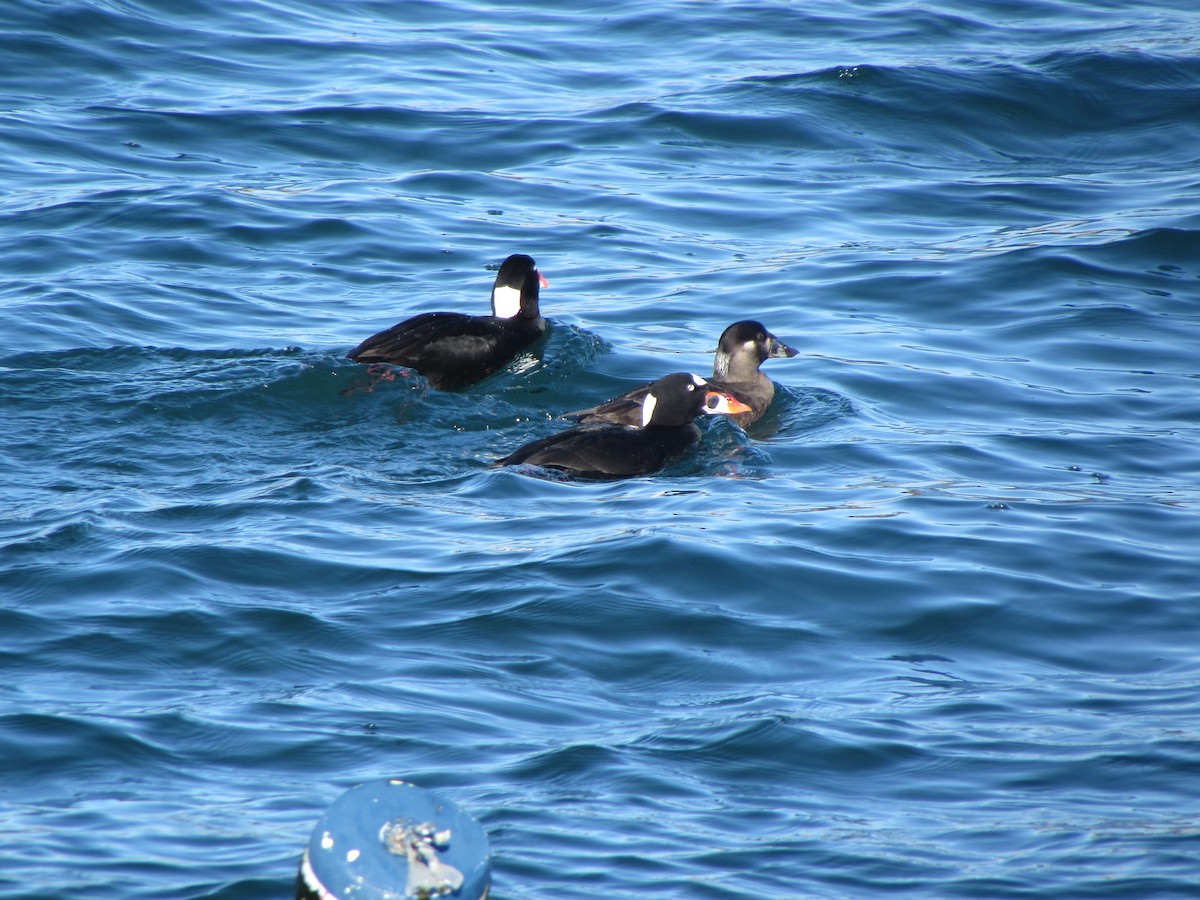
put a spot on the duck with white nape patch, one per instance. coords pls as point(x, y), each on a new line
point(744, 346)
point(608, 450)
point(455, 350)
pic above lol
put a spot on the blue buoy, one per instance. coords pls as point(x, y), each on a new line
point(388, 840)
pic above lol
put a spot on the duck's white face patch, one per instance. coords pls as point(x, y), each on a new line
point(648, 409)
point(506, 301)
point(698, 381)
point(750, 345)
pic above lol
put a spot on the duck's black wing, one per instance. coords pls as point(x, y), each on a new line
point(450, 349)
point(623, 410)
point(603, 450)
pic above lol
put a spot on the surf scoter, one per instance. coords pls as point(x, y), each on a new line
point(609, 450)
point(454, 350)
point(743, 347)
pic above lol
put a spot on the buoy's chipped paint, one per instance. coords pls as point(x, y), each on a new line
point(428, 874)
point(353, 855)
point(648, 409)
point(326, 840)
point(506, 301)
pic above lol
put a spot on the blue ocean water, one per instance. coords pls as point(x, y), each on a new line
point(930, 628)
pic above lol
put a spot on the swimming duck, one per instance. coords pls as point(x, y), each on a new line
point(743, 347)
point(609, 450)
point(454, 350)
